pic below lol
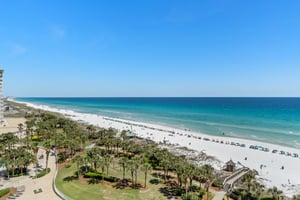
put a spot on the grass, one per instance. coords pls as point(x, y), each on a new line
point(80, 189)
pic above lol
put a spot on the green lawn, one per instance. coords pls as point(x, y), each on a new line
point(82, 190)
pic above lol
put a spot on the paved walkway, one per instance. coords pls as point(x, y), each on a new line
point(44, 183)
point(219, 195)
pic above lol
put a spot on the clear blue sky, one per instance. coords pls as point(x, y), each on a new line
point(150, 47)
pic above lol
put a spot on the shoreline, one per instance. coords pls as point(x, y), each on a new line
point(267, 164)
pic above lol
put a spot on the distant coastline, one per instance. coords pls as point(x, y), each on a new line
point(222, 148)
point(273, 120)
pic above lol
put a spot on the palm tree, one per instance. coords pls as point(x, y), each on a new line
point(296, 197)
point(200, 176)
point(47, 147)
point(248, 178)
point(146, 168)
point(179, 169)
point(7, 161)
point(123, 162)
point(131, 168)
point(35, 149)
point(8, 140)
point(136, 164)
point(123, 135)
point(101, 163)
point(91, 129)
point(164, 158)
point(190, 172)
point(79, 160)
point(107, 161)
point(258, 188)
point(93, 155)
point(207, 172)
point(275, 193)
point(20, 128)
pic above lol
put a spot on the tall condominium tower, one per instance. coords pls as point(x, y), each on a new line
point(1, 99)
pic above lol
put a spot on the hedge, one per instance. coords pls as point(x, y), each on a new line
point(43, 173)
point(5, 191)
point(97, 175)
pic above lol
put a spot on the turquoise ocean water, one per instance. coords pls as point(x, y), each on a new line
point(272, 120)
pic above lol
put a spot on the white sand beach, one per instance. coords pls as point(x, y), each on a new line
point(274, 169)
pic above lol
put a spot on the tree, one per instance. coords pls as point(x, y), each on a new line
point(146, 168)
point(35, 149)
point(164, 158)
point(275, 193)
point(123, 135)
point(101, 163)
point(20, 128)
point(91, 130)
point(123, 162)
point(79, 160)
point(47, 147)
point(190, 173)
point(93, 154)
point(136, 164)
point(8, 140)
point(296, 197)
point(131, 166)
point(248, 178)
point(107, 161)
point(258, 189)
point(208, 173)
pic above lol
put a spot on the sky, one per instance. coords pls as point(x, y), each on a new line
point(140, 48)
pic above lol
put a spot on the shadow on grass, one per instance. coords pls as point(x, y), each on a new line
point(154, 181)
point(122, 184)
point(126, 183)
point(171, 190)
point(93, 181)
point(160, 175)
point(70, 178)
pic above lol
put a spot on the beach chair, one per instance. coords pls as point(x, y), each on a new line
point(36, 191)
point(20, 188)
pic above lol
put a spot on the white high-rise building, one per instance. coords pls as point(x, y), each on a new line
point(1, 99)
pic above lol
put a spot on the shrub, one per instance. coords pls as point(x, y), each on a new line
point(17, 172)
point(190, 196)
point(68, 165)
point(3, 192)
point(201, 193)
point(43, 173)
point(61, 157)
point(266, 198)
point(178, 191)
point(92, 175)
point(96, 175)
point(217, 183)
point(194, 188)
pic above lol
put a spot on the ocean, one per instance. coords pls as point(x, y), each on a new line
point(272, 120)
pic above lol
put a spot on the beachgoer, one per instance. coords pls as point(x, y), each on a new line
point(282, 167)
point(245, 158)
